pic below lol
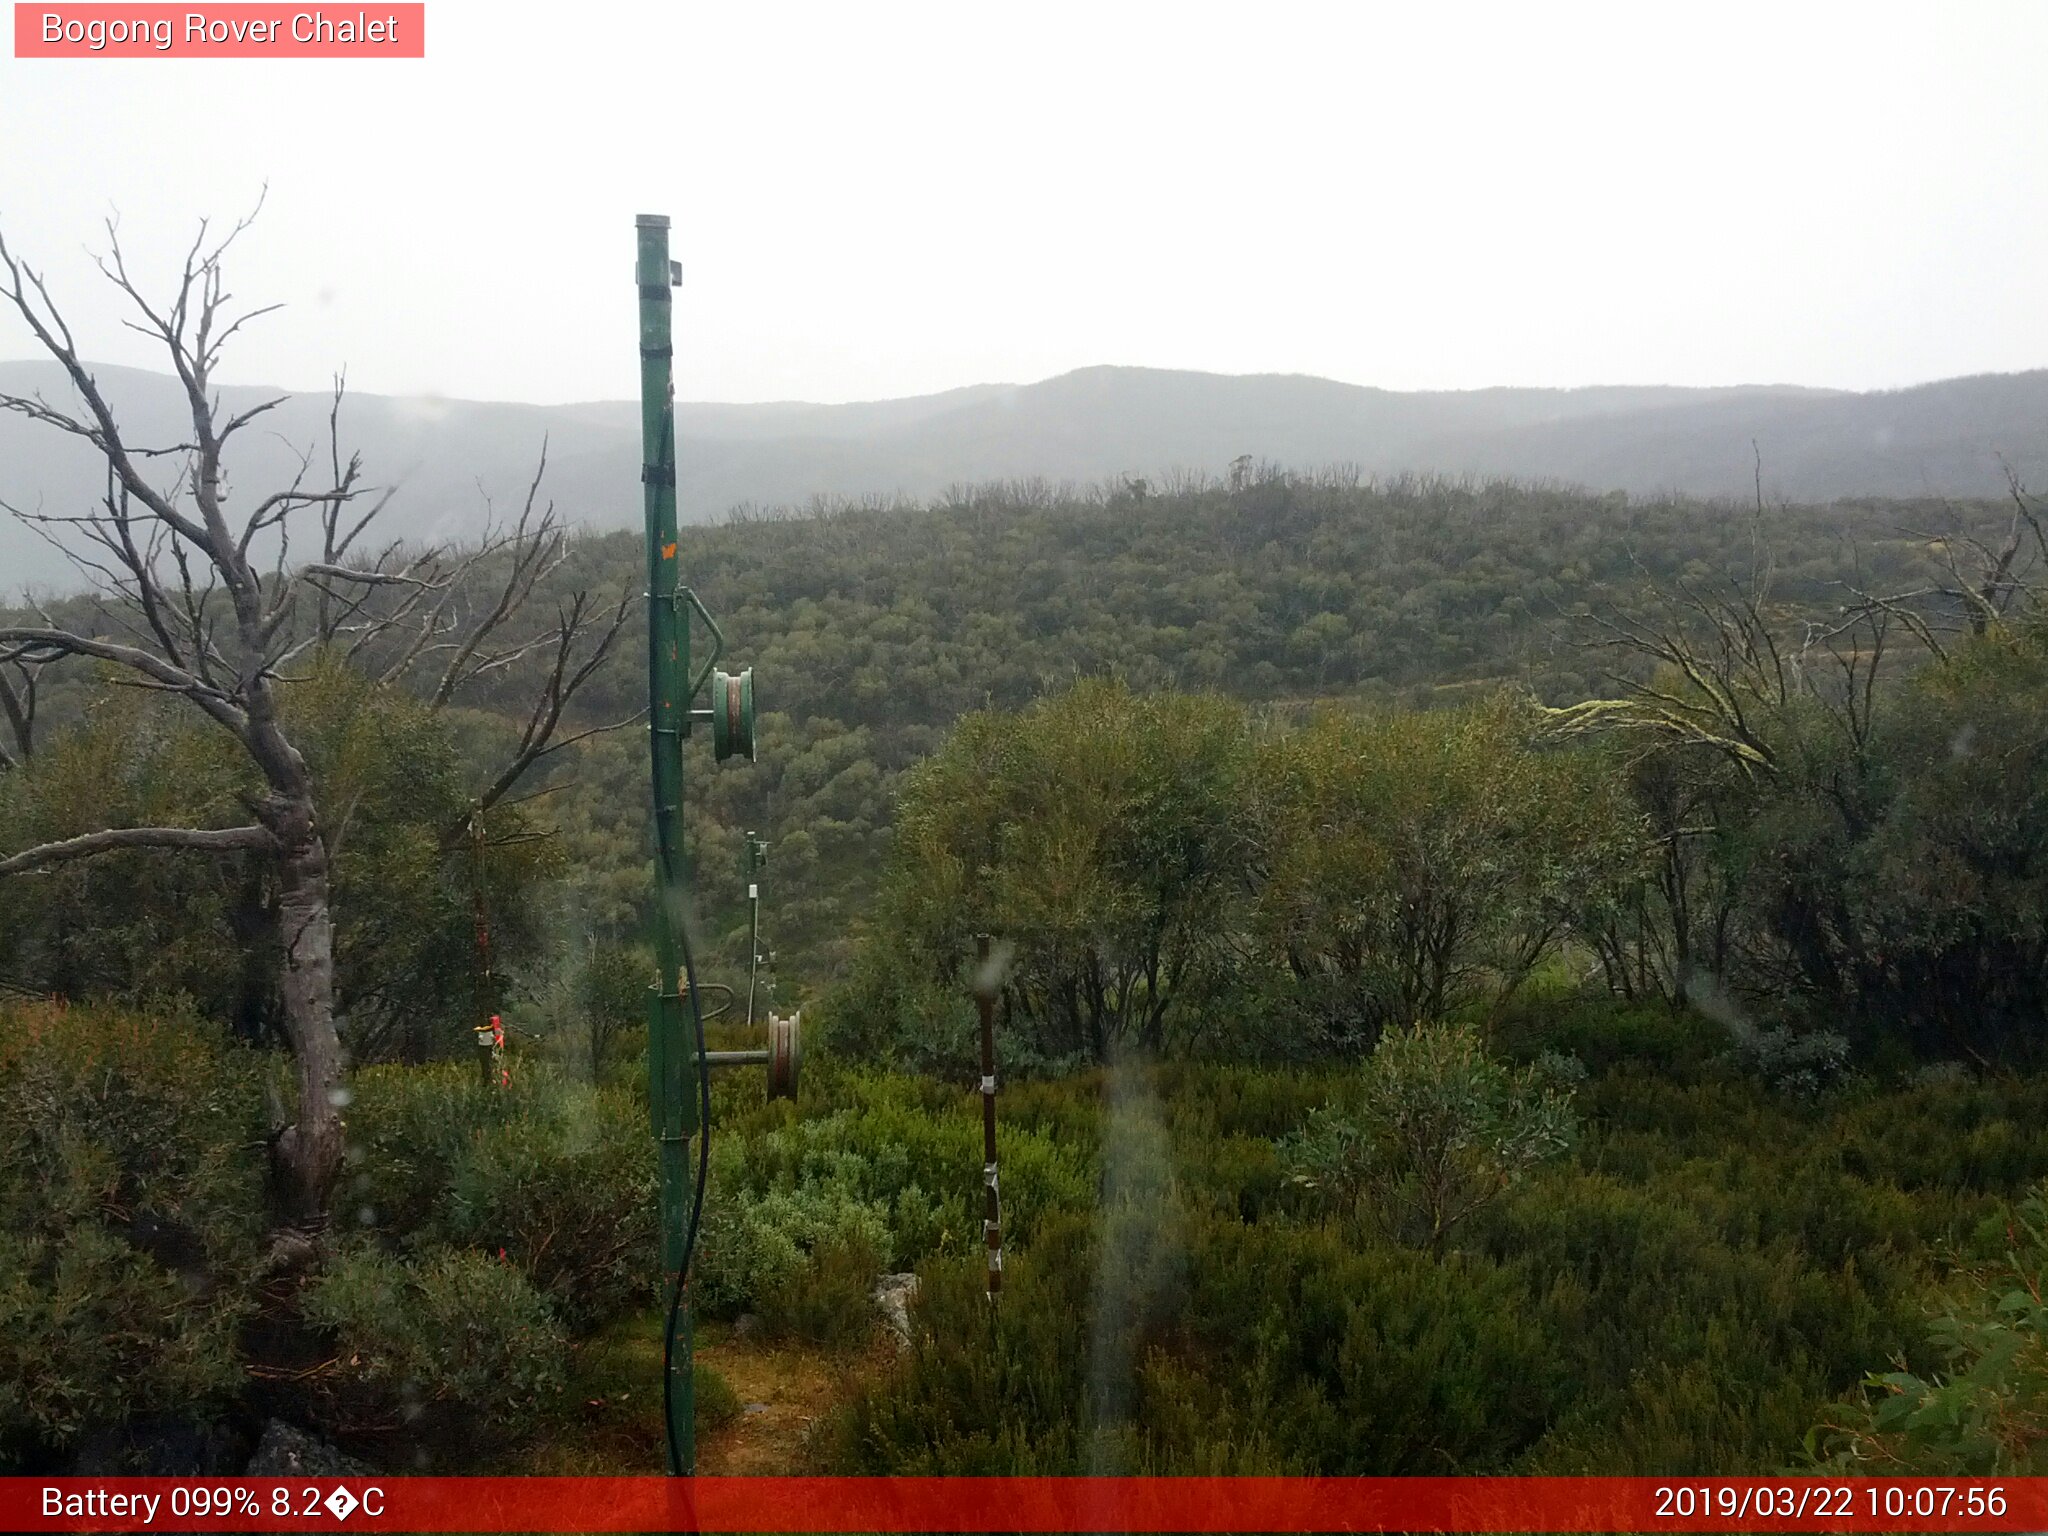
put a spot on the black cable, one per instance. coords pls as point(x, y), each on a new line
point(670, 887)
point(675, 1298)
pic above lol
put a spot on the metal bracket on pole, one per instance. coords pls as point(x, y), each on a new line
point(689, 598)
point(783, 1058)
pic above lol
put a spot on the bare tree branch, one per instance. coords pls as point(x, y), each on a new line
point(536, 549)
point(225, 839)
point(565, 677)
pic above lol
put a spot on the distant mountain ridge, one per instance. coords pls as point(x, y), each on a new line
point(1942, 439)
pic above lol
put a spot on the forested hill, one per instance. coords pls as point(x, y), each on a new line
point(872, 632)
point(1943, 439)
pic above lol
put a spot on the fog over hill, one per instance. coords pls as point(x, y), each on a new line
point(448, 456)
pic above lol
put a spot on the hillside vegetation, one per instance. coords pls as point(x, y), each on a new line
point(873, 630)
point(1495, 979)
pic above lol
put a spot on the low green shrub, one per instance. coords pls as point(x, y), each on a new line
point(1207, 1345)
point(1604, 1032)
point(145, 1121)
point(829, 1301)
point(407, 1126)
point(557, 1175)
point(1685, 1290)
point(441, 1327)
point(1984, 1411)
point(565, 1188)
point(898, 1168)
point(131, 1210)
point(756, 1247)
point(1439, 1129)
point(981, 1393)
point(93, 1331)
point(716, 1403)
point(1712, 1262)
point(1802, 1063)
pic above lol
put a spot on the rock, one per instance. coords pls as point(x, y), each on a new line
point(291, 1252)
point(287, 1452)
point(893, 1295)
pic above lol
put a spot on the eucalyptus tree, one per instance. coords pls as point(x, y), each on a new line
point(1100, 834)
point(1848, 806)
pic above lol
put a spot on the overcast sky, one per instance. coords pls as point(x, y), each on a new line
point(875, 199)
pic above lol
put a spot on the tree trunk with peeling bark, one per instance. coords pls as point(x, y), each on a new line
point(310, 1148)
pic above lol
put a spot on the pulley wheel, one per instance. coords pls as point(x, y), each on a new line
point(785, 1054)
point(732, 714)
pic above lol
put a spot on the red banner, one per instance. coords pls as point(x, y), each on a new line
point(836, 1504)
point(231, 31)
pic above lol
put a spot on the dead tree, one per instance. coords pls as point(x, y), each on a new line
point(208, 608)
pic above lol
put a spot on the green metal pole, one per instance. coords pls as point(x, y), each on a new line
point(671, 1054)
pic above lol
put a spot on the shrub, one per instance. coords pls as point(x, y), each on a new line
point(443, 1327)
point(980, 1395)
point(406, 1128)
point(93, 1331)
point(1803, 1064)
point(565, 1188)
point(1604, 1033)
point(1244, 1349)
point(909, 1153)
point(754, 1248)
point(130, 1209)
point(1986, 1412)
point(145, 1121)
point(1441, 1128)
point(830, 1300)
point(556, 1174)
point(716, 1403)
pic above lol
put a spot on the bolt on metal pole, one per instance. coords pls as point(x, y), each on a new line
point(671, 1056)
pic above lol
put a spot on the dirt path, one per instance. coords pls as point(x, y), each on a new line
point(784, 1390)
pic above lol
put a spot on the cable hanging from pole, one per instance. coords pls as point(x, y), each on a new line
point(680, 1286)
